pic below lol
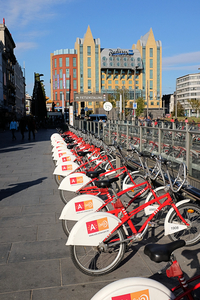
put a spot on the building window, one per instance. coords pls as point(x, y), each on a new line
point(67, 84)
point(130, 82)
point(103, 81)
point(74, 73)
point(88, 50)
point(74, 84)
point(56, 96)
point(60, 62)
point(67, 61)
point(67, 73)
point(89, 84)
point(151, 95)
point(89, 73)
point(61, 84)
point(151, 74)
point(89, 61)
point(109, 81)
point(55, 63)
point(56, 73)
point(151, 84)
point(151, 52)
point(110, 87)
point(151, 103)
point(123, 82)
point(89, 103)
point(151, 63)
point(74, 61)
point(116, 82)
point(61, 96)
point(61, 73)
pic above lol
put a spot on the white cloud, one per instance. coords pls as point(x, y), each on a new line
point(23, 46)
point(20, 12)
point(184, 61)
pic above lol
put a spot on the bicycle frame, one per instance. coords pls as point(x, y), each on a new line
point(127, 216)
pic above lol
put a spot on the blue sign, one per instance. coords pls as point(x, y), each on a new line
point(134, 105)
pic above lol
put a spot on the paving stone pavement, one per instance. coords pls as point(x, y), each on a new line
point(34, 260)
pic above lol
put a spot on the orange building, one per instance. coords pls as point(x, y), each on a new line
point(64, 77)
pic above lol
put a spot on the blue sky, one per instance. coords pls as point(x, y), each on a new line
point(39, 27)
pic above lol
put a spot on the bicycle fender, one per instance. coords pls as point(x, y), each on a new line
point(126, 186)
point(58, 154)
point(74, 182)
point(54, 137)
point(65, 169)
point(92, 229)
point(134, 288)
point(65, 158)
point(59, 147)
point(80, 206)
point(170, 227)
point(151, 208)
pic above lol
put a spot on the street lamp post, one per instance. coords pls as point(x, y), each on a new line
point(123, 104)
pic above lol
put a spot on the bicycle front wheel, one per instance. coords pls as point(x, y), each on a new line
point(137, 179)
point(191, 213)
point(92, 260)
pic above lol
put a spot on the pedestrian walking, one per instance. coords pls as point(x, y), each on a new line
point(13, 128)
point(31, 127)
point(22, 126)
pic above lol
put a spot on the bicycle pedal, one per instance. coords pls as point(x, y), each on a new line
point(152, 224)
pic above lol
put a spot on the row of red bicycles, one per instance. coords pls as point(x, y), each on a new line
point(100, 221)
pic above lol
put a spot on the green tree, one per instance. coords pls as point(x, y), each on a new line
point(38, 107)
point(140, 106)
point(194, 103)
point(180, 110)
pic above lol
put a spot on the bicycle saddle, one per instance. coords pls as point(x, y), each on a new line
point(71, 146)
point(159, 253)
point(94, 174)
point(83, 153)
point(105, 183)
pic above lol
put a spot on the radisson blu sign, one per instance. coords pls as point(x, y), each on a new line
point(120, 59)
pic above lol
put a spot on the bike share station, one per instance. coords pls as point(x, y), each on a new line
point(97, 240)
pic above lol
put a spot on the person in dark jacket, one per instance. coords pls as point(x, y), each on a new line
point(22, 126)
point(31, 127)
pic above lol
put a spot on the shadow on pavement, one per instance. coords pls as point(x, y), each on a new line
point(4, 193)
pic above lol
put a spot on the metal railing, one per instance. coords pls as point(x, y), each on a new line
point(178, 143)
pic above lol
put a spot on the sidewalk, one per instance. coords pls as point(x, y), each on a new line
point(34, 260)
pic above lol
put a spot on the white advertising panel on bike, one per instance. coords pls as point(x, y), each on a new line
point(58, 154)
point(79, 206)
point(65, 158)
point(74, 182)
point(92, 229)
point(134, 289)
point(65, 169)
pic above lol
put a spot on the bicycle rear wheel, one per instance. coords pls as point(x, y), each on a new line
point(58, 179)
point(92, 260)
point(191, 213)
point(67, 225)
